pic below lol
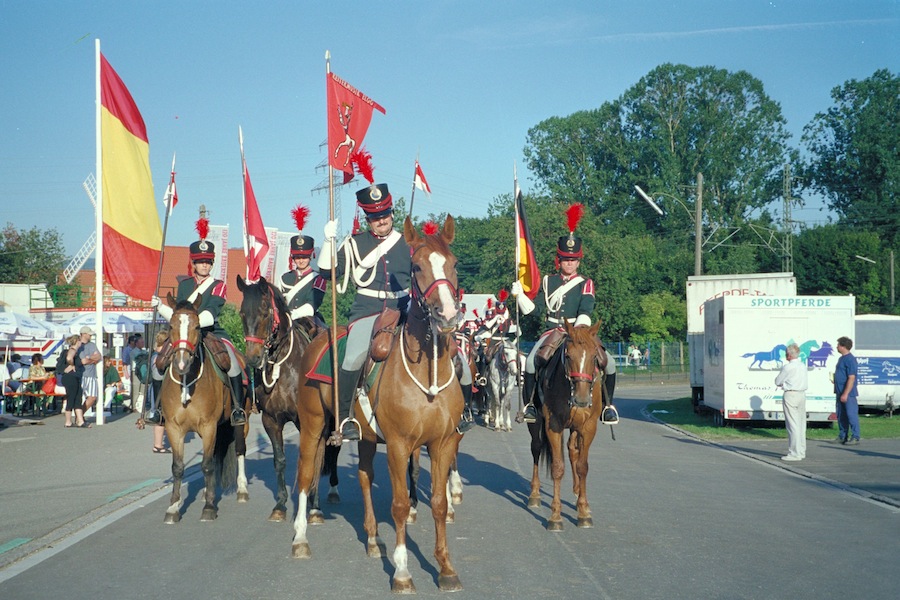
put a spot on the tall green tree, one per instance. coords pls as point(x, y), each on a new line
point(30, 256)
point(854, 150)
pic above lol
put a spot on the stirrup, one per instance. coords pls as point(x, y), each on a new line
point(464, 425)
point(153, 417)
point(530, 414)
point(238, 417)
point(609, 416)
point(349, 430)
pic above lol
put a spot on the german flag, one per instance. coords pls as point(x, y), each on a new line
point(527, 270)
point(132, 236)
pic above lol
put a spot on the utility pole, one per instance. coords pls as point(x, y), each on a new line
point(698, 228)
point(787, 261)
point(892, 278)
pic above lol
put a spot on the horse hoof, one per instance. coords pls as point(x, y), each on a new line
point(534, 502)
point(208, 514)
point(243, 497)
point(456, 499)
point(316, 517)
point(451, 518)
point(585, 522)
point(334, 498)
point(301, 551)
point(376, 549)
point(554, 526)
point(411, 517)
point(403, 586)
point(449, 583)
point(277, 516)
point(172, 518)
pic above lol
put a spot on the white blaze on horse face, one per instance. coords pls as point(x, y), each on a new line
point(448, 306)
point(183, 324)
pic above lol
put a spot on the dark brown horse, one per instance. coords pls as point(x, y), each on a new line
point(574, 393)
point(415, 400)
point(274, 349)
point(193, 397)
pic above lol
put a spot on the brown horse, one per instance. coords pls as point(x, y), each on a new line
point(193, 397)
point(574, 393)
point(274, 350)
point(415, 400)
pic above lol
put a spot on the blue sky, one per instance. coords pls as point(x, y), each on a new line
point(462, 82)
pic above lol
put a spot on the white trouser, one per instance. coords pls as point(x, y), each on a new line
point(794, 404)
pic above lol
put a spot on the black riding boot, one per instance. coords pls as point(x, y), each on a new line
point(467, 422)
point(530, 415)
point(152, 414)
point(349, 428)
point(238, 417)
point(610, 416)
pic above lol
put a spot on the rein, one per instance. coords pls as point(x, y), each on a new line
point(270, 343)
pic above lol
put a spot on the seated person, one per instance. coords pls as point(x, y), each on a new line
point(14, 373)
point(112, 382)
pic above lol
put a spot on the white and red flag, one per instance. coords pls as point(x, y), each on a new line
point(349, 115)
point(256, 242)
point(171, 197)
point(420, 181)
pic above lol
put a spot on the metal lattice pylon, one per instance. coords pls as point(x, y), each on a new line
point(71, 270)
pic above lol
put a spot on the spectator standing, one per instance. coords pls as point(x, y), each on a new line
point(846, 393)
point(793, 380)
point(126, 354)
point(71, 380)
point(90, 356)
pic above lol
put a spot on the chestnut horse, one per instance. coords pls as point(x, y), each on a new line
point(415, 400)
point(574, 393)
point(194, 397)
point(274, 349)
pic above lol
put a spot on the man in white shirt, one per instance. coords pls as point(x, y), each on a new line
point(793, 379)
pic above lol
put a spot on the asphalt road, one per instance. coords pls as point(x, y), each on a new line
point(82, 516)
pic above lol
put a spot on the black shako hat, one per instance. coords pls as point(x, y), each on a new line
point(202, 249)
point(375, 201)
point(569, 246)
point(302, 246)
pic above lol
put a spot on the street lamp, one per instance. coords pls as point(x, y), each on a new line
point(697, 218)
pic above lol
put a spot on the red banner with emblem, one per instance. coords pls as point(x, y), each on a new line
point(349, 115)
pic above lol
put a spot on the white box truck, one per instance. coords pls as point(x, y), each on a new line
point(746, 340)
point(877, 351)
point(703, 288)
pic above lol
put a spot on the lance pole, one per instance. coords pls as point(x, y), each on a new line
point(412, 194)
point(516, 278)
point(333, 249)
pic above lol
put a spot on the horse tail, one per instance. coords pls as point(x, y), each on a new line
point(748, 355)
point(225, 456)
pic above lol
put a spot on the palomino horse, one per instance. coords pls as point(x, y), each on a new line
point(503, 373)
point(415, 400)
point(194, 397)
point(574, 393)
point(274, 348)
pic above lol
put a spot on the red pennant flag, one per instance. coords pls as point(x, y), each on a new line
point(132, 236)
point(528, 274)
point(349, 115)
point(171, 197)
point(420, 181)
point(256, 242)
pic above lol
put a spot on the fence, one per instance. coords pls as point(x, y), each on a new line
point(652, 361)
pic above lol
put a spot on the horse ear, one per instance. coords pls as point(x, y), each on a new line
point(170, 299)
point(240, 283)
point(595, 328)
point(449, 230)
point(409, 232)
point(197, 303)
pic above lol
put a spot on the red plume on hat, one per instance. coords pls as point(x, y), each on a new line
point(362, 161)
point(573, 216)
point(202, 227)
point(300, 213)
point(503, 295)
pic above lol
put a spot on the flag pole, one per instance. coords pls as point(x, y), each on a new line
point(244, 199)
point(334, 345)
point(521, 411)
point(98, 269)
point(412, 195)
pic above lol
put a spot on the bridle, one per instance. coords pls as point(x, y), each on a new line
point(271, 343)
point(575, 377)
point(421, 296)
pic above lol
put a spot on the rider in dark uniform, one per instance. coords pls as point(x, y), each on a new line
point(211, 292)
point(566, 296)
point(302, 286)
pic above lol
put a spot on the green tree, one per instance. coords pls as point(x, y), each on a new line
point(854, 160)
point(32, 256)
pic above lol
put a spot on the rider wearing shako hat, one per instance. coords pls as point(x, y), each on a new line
point(211, 291)
point(379, 261)
point(566, 295)
point(302, 286)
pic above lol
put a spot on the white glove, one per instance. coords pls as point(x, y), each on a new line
point(302, 311)
point(525, 304)
point(154, 301)
point(516, 288)
point(165, 311)
point(331, 228)
point(206, 319)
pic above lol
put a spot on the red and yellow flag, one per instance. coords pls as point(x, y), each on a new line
point(132, 236)
point(527, 271)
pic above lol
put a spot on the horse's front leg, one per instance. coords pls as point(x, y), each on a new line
point(275, 431)
point(331, 458)
point(375, 547)
point(535, 429)
point(441, 458)
point(557, 470)
point(306, 471)
point(176, 440)
point(240, 448)
point(413, 473)
point(210, 510)
point(398, 456)
point(587, 432)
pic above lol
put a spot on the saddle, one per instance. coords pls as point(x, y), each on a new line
point(383, 334)
point(216, 347)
